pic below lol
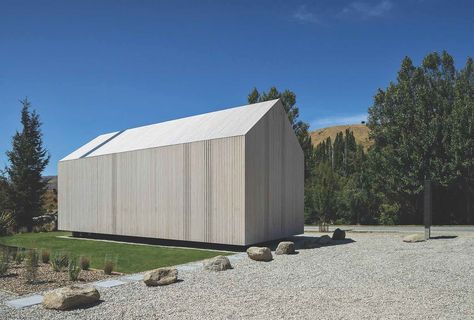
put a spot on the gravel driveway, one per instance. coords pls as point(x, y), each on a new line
point(376, 277)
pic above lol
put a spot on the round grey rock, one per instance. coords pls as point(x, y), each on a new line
point(339, 234)
point(161, 277)
point(70, 298)
point(259, 253)
point(285, 247)
point(219, 263)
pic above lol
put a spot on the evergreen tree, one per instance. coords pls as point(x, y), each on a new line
point(27, 160)
point(338, 153)
point(4, 199)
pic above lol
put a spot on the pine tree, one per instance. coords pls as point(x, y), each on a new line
point(27, 160)
point(338, 150)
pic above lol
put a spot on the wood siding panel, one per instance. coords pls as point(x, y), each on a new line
point(274, 179)
point(191, 191)
point(81, 214)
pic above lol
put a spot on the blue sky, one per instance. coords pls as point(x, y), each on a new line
point(91, 67)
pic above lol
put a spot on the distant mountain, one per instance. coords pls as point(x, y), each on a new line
point(361, 134)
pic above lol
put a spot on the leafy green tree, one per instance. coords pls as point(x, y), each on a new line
point(27, 160)
point(413, 136)
point(462, 143)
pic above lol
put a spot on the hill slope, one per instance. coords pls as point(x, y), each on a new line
point(361, 134)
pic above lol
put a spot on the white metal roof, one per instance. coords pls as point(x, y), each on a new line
point(220, 124)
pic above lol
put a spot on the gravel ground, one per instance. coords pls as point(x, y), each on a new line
point(376, 277)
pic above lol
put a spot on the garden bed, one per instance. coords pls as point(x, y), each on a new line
point(127, 258)
point(15, 279)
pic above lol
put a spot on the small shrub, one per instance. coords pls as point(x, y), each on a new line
point(6, 223)
point(65, 260)
point(45, 256)
point(84, 262)
point(4, 264)
point(59, 261)
point(73, 269)
point(32, 259)
point(56, 264)
point(19, 256)
point(108, 267)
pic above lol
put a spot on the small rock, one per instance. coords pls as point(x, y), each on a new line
point(260, 253)
point(324, 240)
point(414, 238)
point(339, 234)
point(160, 277)
point(219, 263)
point(70, 298)
point(285, 247)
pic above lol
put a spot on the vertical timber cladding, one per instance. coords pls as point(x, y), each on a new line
point(274, 179)
point(192, 191)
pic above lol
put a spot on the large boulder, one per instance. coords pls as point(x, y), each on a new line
point(339, 234)
point(260, 253)
point(160, 277)
point(285, 247)
point(414, 238)
point(324, 240)
point(70, 298)
point(219, 263)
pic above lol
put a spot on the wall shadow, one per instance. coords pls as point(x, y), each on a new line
point(160, 242)
point(301, 242)
point(443, 237)
point(305, 242)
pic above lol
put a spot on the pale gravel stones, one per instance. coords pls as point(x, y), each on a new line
point(259, 253)
point(160, 277)
point(70, 297)
point(376, 277)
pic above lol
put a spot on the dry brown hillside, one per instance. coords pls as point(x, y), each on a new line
point(361, 134)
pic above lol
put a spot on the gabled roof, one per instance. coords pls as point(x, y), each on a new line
point(214, 125)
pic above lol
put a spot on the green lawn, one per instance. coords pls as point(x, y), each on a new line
point(130, 257)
